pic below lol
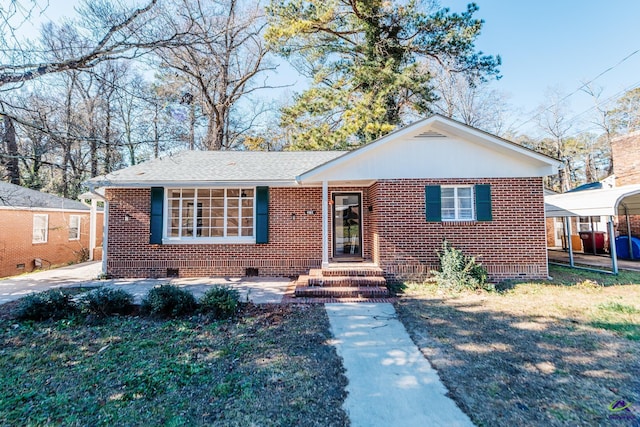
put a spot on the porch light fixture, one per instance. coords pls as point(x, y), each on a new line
point(127, 217)
point(293, 217)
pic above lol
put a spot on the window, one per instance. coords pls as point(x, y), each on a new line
point(210, 213)
point(74, 227)
point(40, 228)
point(586, 221)
point(457, 203)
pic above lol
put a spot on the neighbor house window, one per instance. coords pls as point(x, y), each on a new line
point(74, 227)
point(210, 213)
point(586, 221)
point(457, 203)
point(40, 228)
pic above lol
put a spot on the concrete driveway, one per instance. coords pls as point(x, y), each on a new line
point(260, 290)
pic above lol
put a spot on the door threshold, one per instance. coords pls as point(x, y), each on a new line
point(347, 259)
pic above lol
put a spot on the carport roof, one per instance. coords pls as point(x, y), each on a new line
point(602, 202)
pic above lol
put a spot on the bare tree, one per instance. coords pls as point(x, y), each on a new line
point(598, 149)
point(219, 68)
point(108, 30)
point(469, 100)
point(553, 122)
point(10, 148)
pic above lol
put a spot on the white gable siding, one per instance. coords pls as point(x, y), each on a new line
point(435, 157)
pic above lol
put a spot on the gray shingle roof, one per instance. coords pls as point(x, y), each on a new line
point(221, 166)
point(14, 196)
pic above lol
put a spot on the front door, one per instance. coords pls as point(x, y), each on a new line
point(347, 227)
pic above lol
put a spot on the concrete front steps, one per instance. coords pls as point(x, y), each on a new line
point(352, 281)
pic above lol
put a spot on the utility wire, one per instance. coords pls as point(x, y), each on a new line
point(577, 90)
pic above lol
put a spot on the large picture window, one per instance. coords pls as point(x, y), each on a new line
point(210, 213)
point(457, 203)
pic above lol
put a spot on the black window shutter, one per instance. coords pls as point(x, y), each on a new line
point(433, 203)
point(483, 202)
point(157, 202)
point(262, 214)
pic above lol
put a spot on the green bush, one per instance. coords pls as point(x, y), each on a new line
point(107, 301)
point(168, 301)
point(460, 272)
point(51, 304)
point(220, 301)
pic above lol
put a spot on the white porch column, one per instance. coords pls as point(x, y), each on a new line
point(105, 236)
point(92, 227)
point(325, 224)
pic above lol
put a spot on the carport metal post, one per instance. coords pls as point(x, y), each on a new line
point(629, 241)
point(612, 244)
point(567, 225)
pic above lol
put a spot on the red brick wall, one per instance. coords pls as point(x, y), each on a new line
point(16, 236)
point(396, 234)
point(625, 152)
point(512, 245)
point(294, 245)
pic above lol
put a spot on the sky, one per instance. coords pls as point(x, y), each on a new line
point(561, 44)
point(544, 45)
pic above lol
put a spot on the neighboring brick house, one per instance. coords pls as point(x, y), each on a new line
point(39, 230)
point(391, 203)
point(625, 154)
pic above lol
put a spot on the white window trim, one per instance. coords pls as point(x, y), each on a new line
point(79, 219)
point(207, 240)
point(46, 229)
point(457, 204)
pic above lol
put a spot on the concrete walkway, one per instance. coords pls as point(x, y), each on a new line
point(391, 384)
point(260, 290)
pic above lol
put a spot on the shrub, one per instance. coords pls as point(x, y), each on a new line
point(51, 304)
point(107, 301)
point(460, 272)
point(220, 301)
point(168, 301)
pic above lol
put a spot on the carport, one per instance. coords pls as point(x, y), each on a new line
point(607, 202)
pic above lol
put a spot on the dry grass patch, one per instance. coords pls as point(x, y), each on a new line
point(273, 366)
point(550, 353)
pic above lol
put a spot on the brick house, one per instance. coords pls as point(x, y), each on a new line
point(39, 230)
point(389, 204)
point(625, 153)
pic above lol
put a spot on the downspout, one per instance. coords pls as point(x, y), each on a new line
point(105, 226)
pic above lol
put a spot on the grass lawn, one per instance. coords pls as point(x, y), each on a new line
point(549, 353)
point(271, 367)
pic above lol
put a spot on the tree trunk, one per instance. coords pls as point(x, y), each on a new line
point(215, 130)
point(11, 163)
